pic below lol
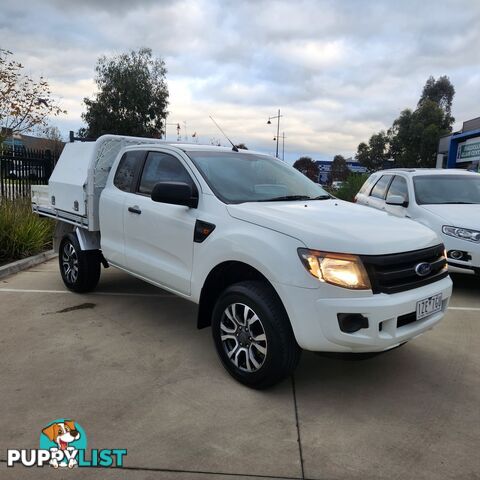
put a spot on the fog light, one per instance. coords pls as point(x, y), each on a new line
point(458, 255)
point(351, 322)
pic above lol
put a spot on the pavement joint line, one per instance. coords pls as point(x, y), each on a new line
point(159, 295)
point(153, 295)
point(299, 438)
point(475, 309)
point(201, 472)
point(115, 294)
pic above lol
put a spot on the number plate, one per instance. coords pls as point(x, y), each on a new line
point(428, 306)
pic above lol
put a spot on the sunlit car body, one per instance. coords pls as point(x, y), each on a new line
point(447, 201)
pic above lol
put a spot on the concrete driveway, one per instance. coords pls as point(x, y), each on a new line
point(128, 364)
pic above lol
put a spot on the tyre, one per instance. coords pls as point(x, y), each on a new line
point(253, 335)
point(80, 270)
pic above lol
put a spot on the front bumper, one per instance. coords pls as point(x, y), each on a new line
point(472, 250)
point(315, 323)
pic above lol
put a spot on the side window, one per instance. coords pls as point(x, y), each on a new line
point(398, 187)
point(367, 186)
point(381, 186)
point(162, 167)
point(125, 174)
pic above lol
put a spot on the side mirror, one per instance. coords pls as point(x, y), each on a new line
point(397, 200)
point(175, 193)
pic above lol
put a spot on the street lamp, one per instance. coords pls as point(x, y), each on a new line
point(269, 122)
point(177, 125)
point(283, 144)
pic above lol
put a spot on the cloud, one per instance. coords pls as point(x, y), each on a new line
point(339, 71)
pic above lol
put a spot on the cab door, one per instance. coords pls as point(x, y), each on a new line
point(377, 195)
point(159, 236)
point(398, 187)
point(111, 207)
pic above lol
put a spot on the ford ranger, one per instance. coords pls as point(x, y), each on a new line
point(275, 263)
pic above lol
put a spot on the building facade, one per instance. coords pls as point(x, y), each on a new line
point(461, 149)
point(325, 166)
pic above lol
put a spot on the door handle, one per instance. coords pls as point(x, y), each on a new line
point(134, 209)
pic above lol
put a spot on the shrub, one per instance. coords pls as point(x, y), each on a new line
point(351, 186)
point(21, 232)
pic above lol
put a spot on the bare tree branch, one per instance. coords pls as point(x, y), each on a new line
point(24, 103)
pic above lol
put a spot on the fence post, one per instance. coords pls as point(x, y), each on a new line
point(21, 167)
point(2, 175)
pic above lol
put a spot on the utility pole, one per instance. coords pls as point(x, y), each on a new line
point(278, 127)
point(283, 144)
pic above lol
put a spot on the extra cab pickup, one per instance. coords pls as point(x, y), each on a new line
point(275, 263)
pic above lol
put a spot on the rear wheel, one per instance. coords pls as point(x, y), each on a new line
point(80, 269)
point(253, 335)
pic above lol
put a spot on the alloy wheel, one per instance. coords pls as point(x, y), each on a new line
point(243, 337)
point(70, 263)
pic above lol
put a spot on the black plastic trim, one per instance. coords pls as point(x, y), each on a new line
point(202, 231)
point(394, 273)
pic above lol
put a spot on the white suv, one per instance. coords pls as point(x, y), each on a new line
point(447, 201)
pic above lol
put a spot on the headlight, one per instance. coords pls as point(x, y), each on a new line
point(339, 269)
point(463, 233)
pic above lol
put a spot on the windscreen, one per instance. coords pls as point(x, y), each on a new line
point(238, 177)
point(443, 189)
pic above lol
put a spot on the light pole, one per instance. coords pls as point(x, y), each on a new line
point(278, 126)
point(283, 144)
point(178, 130)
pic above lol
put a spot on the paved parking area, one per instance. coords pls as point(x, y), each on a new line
point(128, 364)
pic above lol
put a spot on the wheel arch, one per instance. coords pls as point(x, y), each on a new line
point(87, 240)
point(222, 276)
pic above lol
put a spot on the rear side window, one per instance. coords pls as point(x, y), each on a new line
point(367, 186)
point(127, 168)
point(162, 167)
point(380, 188)
point(398, 187)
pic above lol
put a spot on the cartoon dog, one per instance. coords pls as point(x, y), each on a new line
point(62, 433)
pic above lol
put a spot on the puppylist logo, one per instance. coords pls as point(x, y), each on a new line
point(63, 444)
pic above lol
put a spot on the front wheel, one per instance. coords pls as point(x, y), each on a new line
point(80, 269)
point(253, 335)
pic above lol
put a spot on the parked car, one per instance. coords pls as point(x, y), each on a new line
point(447, 201)
point(337, 184)
point(274, 262)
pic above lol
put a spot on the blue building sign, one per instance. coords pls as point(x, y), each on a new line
point(324, 167)
point(461, 149)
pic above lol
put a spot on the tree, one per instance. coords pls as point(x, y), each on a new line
point(441, 92)
point(374, 154)
point(132, 96)
point(51, 140)
point(414, 135)
point(339, 169)
point(412, 140)
point(24, 102)
point(308, 167)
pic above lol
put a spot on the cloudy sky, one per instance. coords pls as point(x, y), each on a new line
point(338, 70)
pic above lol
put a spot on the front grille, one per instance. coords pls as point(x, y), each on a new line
point(395, 273)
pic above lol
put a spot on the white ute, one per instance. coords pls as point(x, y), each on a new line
point(275, 263)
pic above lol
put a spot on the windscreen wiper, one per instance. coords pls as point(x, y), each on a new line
point(322, 197)
point(460, 203)
point(286, 197)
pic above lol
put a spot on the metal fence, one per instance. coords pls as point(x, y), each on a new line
point(20, 168)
